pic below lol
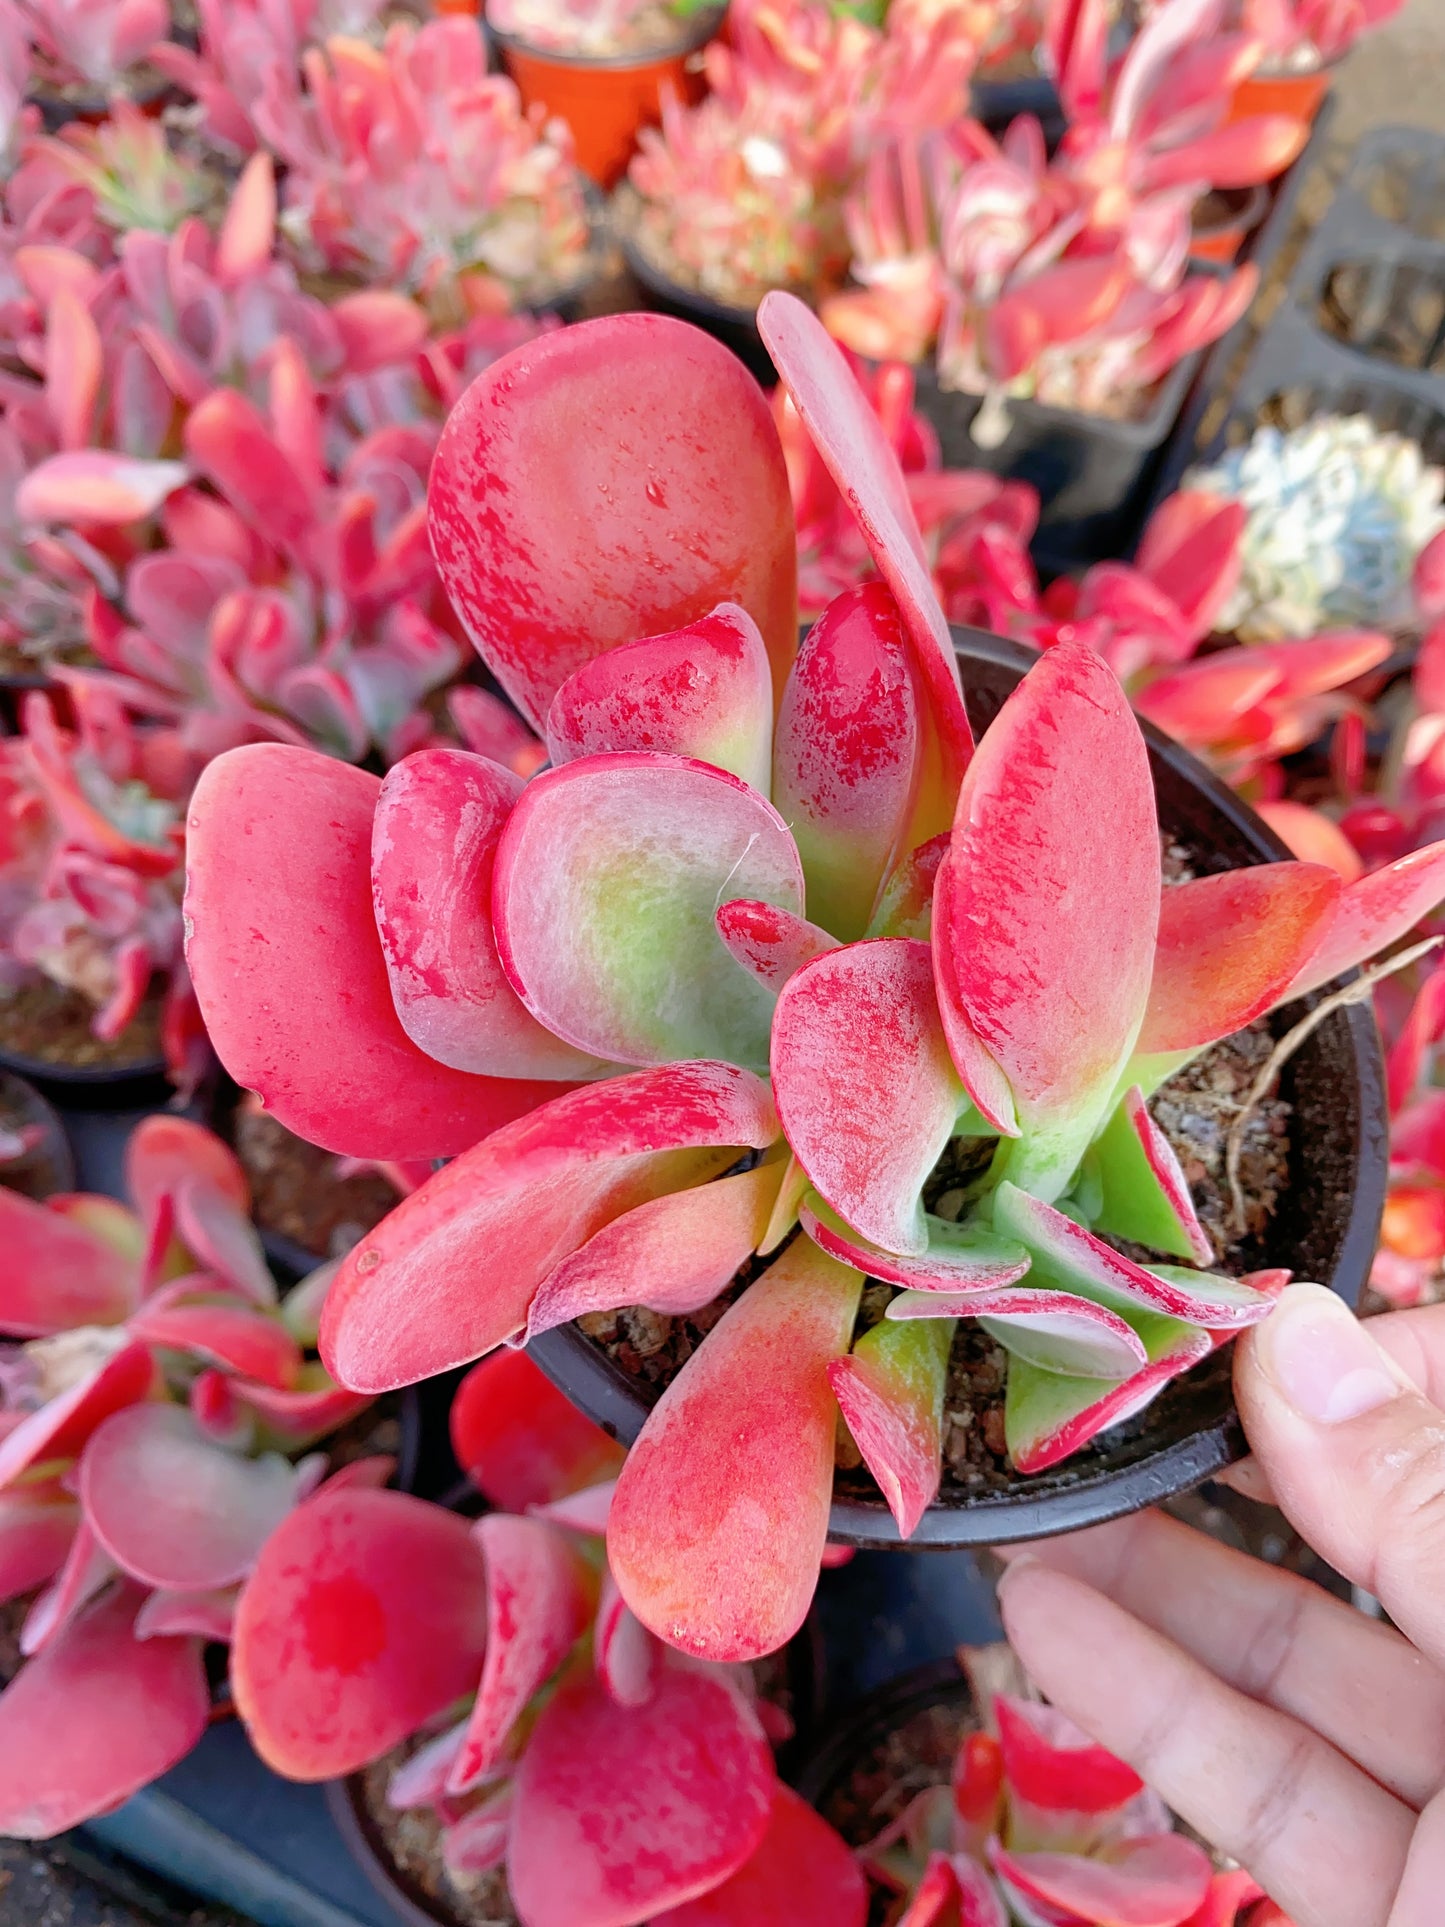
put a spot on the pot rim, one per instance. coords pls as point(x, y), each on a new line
point(607, 1395)
point(1247, 217)
point(40, 1072)
point(343, 1801)
point(692, 35)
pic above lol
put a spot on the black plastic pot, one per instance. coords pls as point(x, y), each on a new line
point(826, 1771)
point(735, 328)
point(48, 1168)
point(1324, 1228)
point(118, 1087)
point(997, 103)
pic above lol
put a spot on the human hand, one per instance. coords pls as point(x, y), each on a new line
point(1302, 1738)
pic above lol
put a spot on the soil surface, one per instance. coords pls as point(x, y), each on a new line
point(297, 1193)
point(412, 1842)
point(42, 1021)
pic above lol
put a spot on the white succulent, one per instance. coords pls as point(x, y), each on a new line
point(1338, 512)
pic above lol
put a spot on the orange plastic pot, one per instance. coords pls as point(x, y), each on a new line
point(1300, 95)
point(606, 100)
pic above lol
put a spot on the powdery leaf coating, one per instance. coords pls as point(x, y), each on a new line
point(608, 876)
point(705, 691)
point(58, 1273)
point(94, 1717)
point(960, 1258)
point(1047, 1417)
point(623, 1811)
point(1374, 913)
point(890, 1390)
point(434, 840)
point(721, 1511)
point(520, 1441)
point(865, 1088)
point(365, 1616)
point(769, 942)
point(452, 1272)
point(612, 480)
point(802, 1871)
point(1056, 1331)
point(284, 954)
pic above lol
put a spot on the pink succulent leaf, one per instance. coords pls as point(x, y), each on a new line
point(1374, 913)
point(434, 842)
point(540, 1598)
point(406, 1302)
point(1047, 907)
point(890, 1390)
point(477, 1842)
point(959, 1258)
point(905, 904)
point(221, 1331)
point(1157, 1881)
point(206, 1615)
point(1066, 1257)
point(165, 1153)
point(1053, 1766)
point(753, 1405)
point(421, 1779)
point(865, 1089)
point(369, 1474)
point(1049, 1417)
point(1228, 1892)
point(628, 1657)
point(1054, 1331)
point(673, 1254)
point(492, 728)
point(229, 441)
point(1192, 549)
point(622, 1812)
point(954, 1892)
point(271, 828)
point(520, 1441)
point(365, 1617)
point(769, 942)
point(95, 1717)
point(57, 1273)
point(607, 878)
point(88, 1567)
point(175, 1509)
point(1311, 835)
point(291, 1420)
point(784, 1216)
point(225, 1241)
point(1076, 34)
point(801, 1871)
point(586, 1512)
point(60, 1428)
point(1145, 1195)
point(95, 488)
point(705, 691)
point(36, 1530)
point(680, 484)
point(1229, 949)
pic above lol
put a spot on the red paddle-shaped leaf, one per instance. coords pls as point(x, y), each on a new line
point(294, 1419)
point(540, 1597)
point(175, 1509)
point(583, 1512)
point(705, 691)
point(433, 844)
point(1154, 1882)
point(613, 480)
point(520, 1441)
point(1047, 1417)
point(1047, 906)
point(207, 1615)
point(769, 942)
point(1058, 1331)
point(289, 971)
point(891, 1390)
point(865, 1088)
point(61, 1427)
point(954, 1893)
point(721, 1511)
point(366, 1616)
point(36, 1529)
point(1228, 1892)
point(451, 1273)
point(1051, 1764)
point(1374, 913)
point(608, 876)
point(959, 1258)
point(1191, 550)
point(95, 1717)
point(88, 1567)
point(1145, 1193)
point(623, 1811)
point(673, 1254)
point(803, 1871)
point(164, 1154)
point(223, 1240)
point(628, 1657)
point(57, 1273)
point(221, 1332)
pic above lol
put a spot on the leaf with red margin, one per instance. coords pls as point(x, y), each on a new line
point(294, 1419)
point(890, 1390)
point(802, 1871)
point(164, 1154)
point(769, 942)
point(705, 692)
point(960, 1257)
point(540, 1597)
point(190, 1316)
point(36, 1529)
point(673, 1254)
point(1192, 549)
point(478, 1841)
point(1047, 1417)
point(206, 1615)
point(856, 452)
point(612, 480)
point(175, 1509)
point(88, 1567)
point(434, 839)
point(1156, 1881)
point(421, 1779)
point(954, 1893)
point(283, 952)
point(61, 1427)
point(628, 1657)
point(1056, 1331)
point(365, 1617)
point(1051, 1764)
point(721, 1511)
point(905, 903)
point(451, 1273)
point(1228, 1892)
point(1069, 1258)
point(1374, 913)
point(608, 876)
point(94, 1718)
point(1145, 1195)
point(846, 753)
point(520, 1441)
point(57, 1273)
point(224, 1240)
point(624, 1811)
point(865, 1088)
point(1047, 906)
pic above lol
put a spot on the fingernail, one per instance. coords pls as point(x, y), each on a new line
point(1323, 1360)
point(1017, 1562)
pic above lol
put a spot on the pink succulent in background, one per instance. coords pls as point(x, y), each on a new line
point(15, 119)
point(775, 874)
point(94, 43)
point(151, 1418)
point(616, 1783)
point(134, 176)
point(1304, 33)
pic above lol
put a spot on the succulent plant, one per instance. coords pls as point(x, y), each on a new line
point(613, 1783)
point(156, 1398)
point(598, 28)
point(776, 875)
point(126, 163)
point(1338, 513)
point(1305, 33)
point(93, 45)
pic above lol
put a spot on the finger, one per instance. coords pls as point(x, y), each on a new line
point(1277, 1638)
point(1356, 1454)
point(1316, 1832)
point(1248, 1480)
point(1418, 1903)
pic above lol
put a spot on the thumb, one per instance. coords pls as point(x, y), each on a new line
point(1354, 1452)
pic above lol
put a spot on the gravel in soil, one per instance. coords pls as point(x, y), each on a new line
point(297, 1193)
point(412, 1842)
point(54, 1026)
